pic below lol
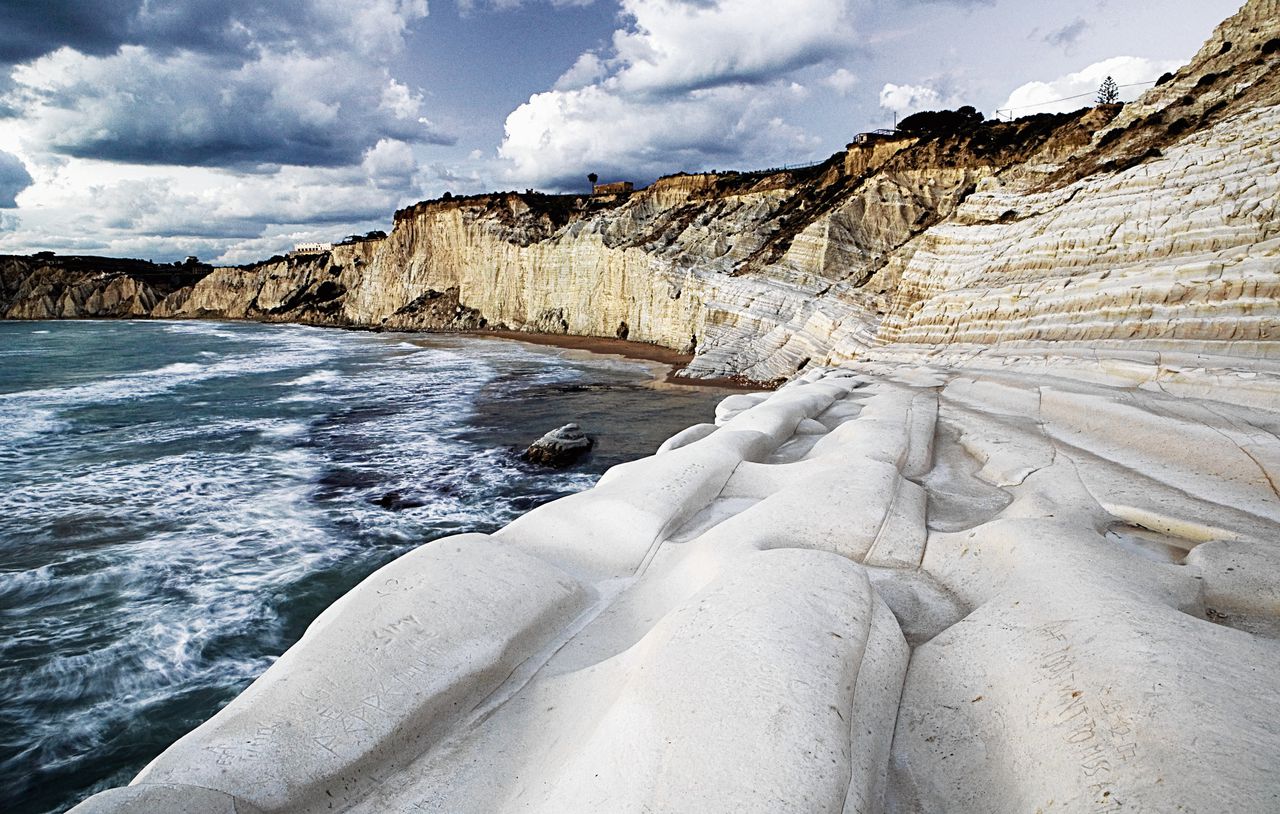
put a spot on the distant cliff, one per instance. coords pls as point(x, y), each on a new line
point(1155, 223)
point(51, 287)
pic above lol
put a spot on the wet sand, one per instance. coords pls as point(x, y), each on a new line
point(667, 363)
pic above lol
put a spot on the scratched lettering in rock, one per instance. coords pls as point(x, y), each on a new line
point(336, 728)
point(253, 748)
point(405, 625)
point(1096, 729)
point(386, 694)
point(389, 586)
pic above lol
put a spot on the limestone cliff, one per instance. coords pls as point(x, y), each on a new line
point(48, 287)
point(1154, 225)
point(1162, 233)
point(695, 262)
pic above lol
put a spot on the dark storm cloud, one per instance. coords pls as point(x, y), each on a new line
point(233, 229)
point(948, 2)
point(31, 28)
point(13, 179)
point(298, 110)
point(215, 83)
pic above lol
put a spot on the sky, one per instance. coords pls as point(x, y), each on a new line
point(233, 129)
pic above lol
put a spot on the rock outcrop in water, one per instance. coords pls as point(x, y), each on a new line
point(559, 447)
point(1016, 553)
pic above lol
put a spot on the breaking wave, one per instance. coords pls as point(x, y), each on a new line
point(179, 500)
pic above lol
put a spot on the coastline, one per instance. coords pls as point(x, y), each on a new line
point(334, 430)
point(667, 364)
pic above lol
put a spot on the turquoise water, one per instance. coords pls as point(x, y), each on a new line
point(179, 500)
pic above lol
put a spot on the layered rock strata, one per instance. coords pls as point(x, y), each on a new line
point(1154, 225)
point(77, 287)
point(891, 586)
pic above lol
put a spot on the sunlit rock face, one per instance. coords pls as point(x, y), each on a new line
point(1152, 225)
point(1155, 237)
point(755, 273)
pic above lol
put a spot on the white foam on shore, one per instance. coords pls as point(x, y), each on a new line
point(318, 377)
point(201, 329)
point(176, 552)
point(21, 423)
point(295, 352)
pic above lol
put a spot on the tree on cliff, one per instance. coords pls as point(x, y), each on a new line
point(1108, 92)
point(936, 123)
point(593, 178)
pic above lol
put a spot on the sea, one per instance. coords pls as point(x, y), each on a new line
point(178, 501)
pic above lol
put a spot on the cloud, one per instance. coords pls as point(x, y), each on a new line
point(14, 178)
point(390, 164)
point(1068, 35)
point(681, 45)
point(279, 105)
point(33, 29)
point(842, 81)
point(907, 99)
point(461, 181)
point(468, 7)
point(587, 70)
point(194, 126)
point(557, 137)
point(686, 83)
point(1076, 90)
point(960, 3)
point(214, 213)
point(30, 30)
point(186, 109)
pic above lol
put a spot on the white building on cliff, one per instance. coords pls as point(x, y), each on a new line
point(311, 248)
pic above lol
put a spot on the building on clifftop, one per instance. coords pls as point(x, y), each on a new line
point(311, 248)
point(615, 188)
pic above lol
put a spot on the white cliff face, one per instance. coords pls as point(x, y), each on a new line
point(1154, 225)
point(1179, 251)
point(1168, 238)
point(755, 274)
point(49, 293)
point(1067, 230)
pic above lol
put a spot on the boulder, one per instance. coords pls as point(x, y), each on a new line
point(559, 448)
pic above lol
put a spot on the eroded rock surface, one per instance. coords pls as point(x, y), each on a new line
point(765, 617)
point(1151, 226)
point(1016, 552)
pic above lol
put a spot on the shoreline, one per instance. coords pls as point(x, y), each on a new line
point(667, 363)
point(673, 362)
